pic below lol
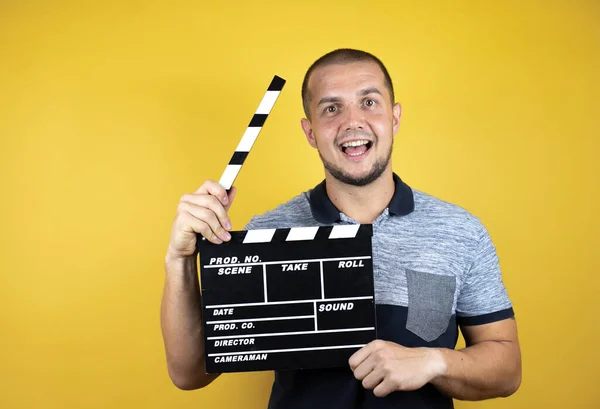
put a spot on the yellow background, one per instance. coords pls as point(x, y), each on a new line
point(110, 112)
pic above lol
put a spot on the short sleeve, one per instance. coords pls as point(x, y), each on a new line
point(257, 222)
point(250, 224)
point(483, 297)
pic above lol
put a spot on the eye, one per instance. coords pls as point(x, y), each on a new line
point(331, 109)
point(370, 102)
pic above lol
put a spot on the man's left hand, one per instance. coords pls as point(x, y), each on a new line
point(386, 367)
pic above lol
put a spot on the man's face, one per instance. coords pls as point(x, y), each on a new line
point(353, 122)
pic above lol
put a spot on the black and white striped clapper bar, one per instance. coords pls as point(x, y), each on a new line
point(252, 131)
point(288, 298)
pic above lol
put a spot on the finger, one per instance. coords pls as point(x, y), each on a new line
point(231, 196)
point(364, 368)
point(212, 203)
point(384, 388)
point(214, 188)
point(373, 379)
point(208, 217)
point(194, 225)
point(359, 356)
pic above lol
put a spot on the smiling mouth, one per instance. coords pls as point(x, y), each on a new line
point(356, 148)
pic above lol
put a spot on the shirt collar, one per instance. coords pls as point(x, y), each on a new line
point(325, 212)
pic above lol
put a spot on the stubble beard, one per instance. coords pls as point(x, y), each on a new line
point(376, 171)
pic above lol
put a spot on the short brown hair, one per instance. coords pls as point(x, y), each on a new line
point(343, 56)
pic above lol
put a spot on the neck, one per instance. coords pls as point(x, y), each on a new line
point(361, 203)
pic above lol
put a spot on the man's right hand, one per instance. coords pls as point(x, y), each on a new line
point(204, 212)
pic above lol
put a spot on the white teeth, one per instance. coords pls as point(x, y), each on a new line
point(355, 143)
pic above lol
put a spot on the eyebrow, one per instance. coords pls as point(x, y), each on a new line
point(328, 100)
point(362, 93)
point(368, 91)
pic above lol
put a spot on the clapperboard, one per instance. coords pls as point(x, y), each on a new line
point(288, 298)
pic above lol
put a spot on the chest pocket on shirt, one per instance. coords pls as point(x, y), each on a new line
point(430, 300)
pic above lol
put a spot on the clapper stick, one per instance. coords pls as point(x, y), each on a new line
point(252, 131)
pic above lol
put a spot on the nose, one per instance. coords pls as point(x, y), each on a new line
point(354, 118)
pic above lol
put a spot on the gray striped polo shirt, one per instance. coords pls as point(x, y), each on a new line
point(434, 268)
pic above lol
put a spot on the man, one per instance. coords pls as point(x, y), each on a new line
point(435, 267)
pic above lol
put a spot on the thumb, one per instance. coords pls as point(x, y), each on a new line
point(230, 197)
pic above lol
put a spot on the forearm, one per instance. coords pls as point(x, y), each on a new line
point(486, 370)
point(181, 323)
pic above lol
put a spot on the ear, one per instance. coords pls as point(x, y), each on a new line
point(308, 131)
point(396, 114)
